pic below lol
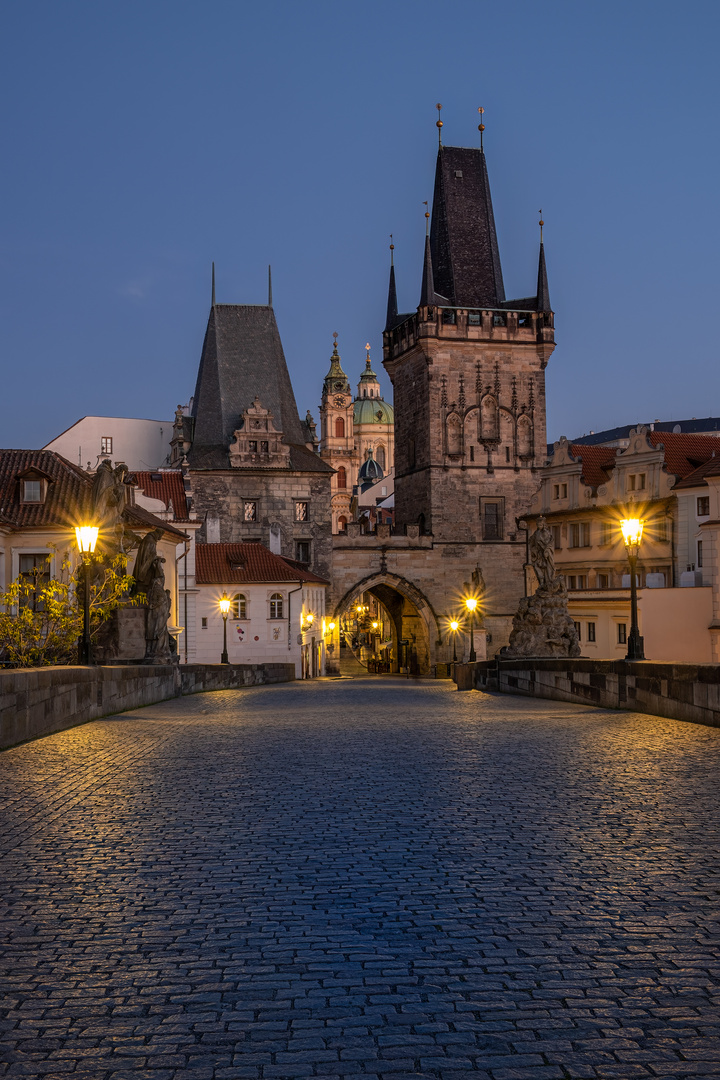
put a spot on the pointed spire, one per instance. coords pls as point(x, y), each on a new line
point(269, 285)
point(427, 291)
point(543, 292)
point(212, 302)
point(392, 308)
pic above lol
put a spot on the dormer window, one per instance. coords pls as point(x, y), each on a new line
point(33, 491)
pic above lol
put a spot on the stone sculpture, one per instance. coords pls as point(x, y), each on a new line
point(157, 639)
point(542, 626)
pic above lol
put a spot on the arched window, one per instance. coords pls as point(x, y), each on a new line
point(380, 457)
point(276, 606)
point(342, 524)
point(371, 392)
point(489, 419)
point(341, 477)
point(239, 606)
point(454, 434)
point(524, 437)
point(339, 427)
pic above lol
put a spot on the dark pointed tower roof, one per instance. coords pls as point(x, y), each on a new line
point(392, 308)
point(242, 358)
point(428, 296)
point(543, 292)
point(463, 240)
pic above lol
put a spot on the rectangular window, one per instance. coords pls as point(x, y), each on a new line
point(557, 534)
point(472, 453)
point(301, 511)
point(492, 512)
point(641, 481)
point(204, 622)
point(559, 491)
point(507, 453)
point(499, 319)
point(474, 318)
point(603, 581)
point(703, 506)
point(32, 491)
point(106, 444)
point(252, 446)
point(590, 631)
point(699, 554)
point(576, 581)
point(35, 569)
point(622, 633)
point(302, 551)
point(264, 447)
point(448, 317)
point(606, 533)
point(580, 534)
point(276, 606)
point(661, 530)
point(250, 513)
point(631, 483)
point(577, 631)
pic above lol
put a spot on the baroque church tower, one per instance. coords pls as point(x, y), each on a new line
point(337, 438)
point(468, 373)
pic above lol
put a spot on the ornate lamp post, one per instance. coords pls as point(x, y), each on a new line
point(225, 608)
point(471, 604)
point(454, 626)
point(632, 530)
point(86, 536)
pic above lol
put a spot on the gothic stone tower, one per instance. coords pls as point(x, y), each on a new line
point(468, 372)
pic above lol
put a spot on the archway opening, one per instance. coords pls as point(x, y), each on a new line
point(382, 631)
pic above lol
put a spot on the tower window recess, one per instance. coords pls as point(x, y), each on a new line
point(492, 512)
point(499, 319)
point(339, 427)
point(341, 477)
point(458, 174)
point(474, 318)
point(449, 317)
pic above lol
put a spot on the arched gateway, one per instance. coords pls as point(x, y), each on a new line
point(407, 620)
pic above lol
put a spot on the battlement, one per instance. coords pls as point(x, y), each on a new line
point(495, 325)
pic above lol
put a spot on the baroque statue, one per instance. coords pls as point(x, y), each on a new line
point(542, 626)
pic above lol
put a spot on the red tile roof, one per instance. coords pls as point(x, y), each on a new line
point(243, 564)
point(683, 453)
point(597, 462)
point(697, 477)
point(167, 486)
point(67, 499)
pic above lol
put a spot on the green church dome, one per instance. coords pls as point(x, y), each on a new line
point(372, 411)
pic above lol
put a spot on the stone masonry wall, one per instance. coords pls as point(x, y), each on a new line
point(679, 691)
point(40, 701)
point(221, 495)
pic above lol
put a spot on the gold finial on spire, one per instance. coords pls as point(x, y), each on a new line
point(335, 337)
point(427, 218)
point(367, 354)
point(541, 225)
point(439, 124)
point(392, 248)
point(481, 128)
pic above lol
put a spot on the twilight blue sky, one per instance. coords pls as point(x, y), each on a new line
point(144, 139)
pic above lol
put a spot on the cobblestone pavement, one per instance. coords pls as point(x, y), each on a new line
point(373, 878)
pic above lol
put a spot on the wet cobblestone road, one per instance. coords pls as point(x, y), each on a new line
point(367, 877)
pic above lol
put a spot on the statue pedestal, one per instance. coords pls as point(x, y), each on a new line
point(122, 637)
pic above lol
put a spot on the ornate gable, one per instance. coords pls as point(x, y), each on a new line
point(257, 442)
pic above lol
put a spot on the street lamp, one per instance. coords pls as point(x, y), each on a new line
point(471, 604)
point(86, 536)
point(454, 626)
point(225, 608)
point(632, 530)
